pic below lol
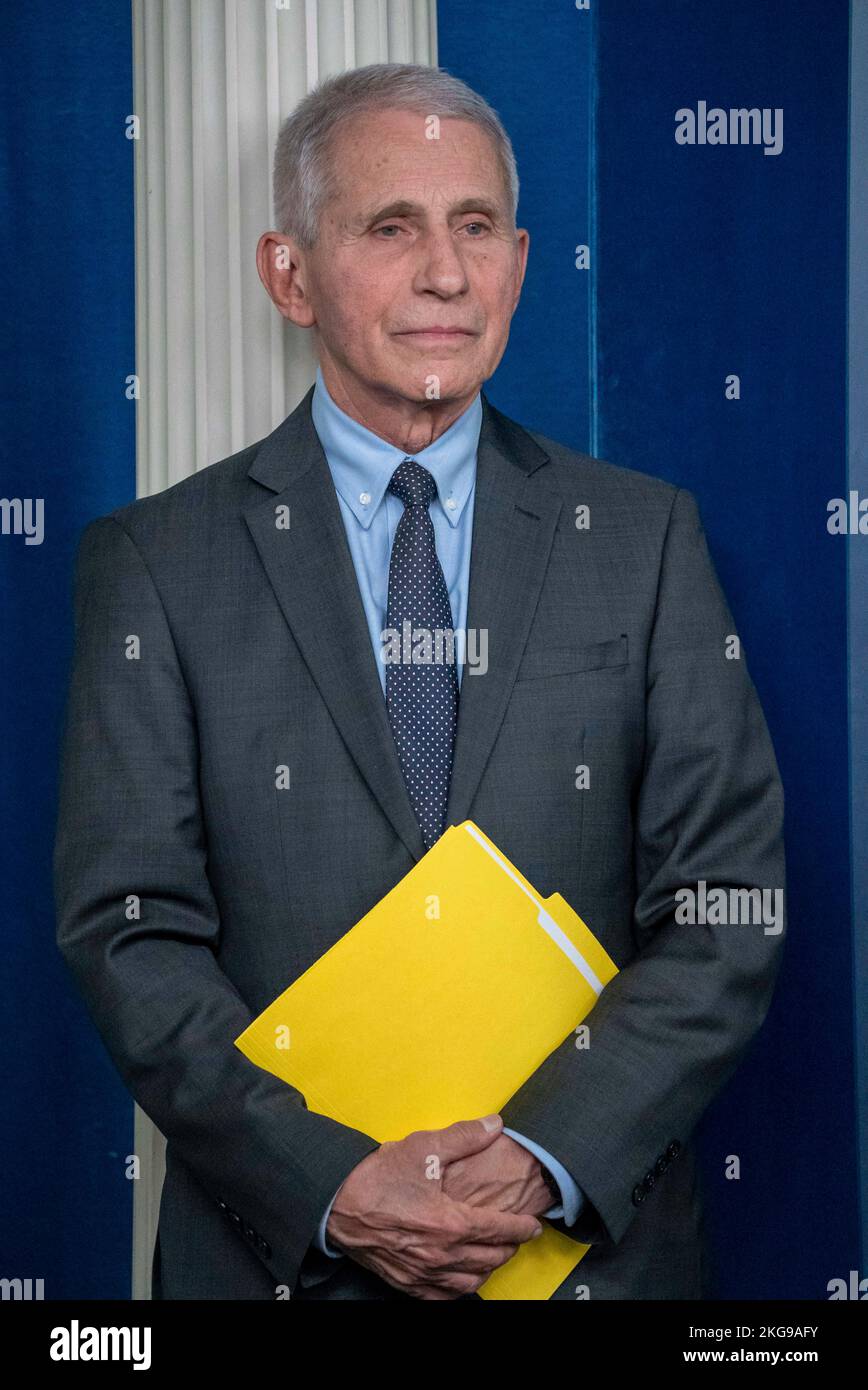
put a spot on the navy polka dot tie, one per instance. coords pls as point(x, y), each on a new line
point(421, 695)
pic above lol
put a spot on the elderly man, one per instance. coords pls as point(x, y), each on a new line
point(245, 775)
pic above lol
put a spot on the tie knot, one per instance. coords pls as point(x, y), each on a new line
point(413, 484)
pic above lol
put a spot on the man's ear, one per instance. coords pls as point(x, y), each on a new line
point(281, 270)
point(523, 239)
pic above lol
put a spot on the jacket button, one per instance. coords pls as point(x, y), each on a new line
point(638, 1195)
point(264, 1248)
point(661, 1165)
point(249, 1232)
point(648, 1181)
point(674, 1149)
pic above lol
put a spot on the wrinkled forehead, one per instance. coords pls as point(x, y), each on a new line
point(400, 163)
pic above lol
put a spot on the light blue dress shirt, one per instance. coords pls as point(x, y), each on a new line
point(362, 465)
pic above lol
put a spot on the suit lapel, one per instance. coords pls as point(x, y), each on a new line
point(311, 571)
point(514, 519)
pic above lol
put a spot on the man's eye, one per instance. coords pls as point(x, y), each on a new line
point(483, 227)
point(389, 227)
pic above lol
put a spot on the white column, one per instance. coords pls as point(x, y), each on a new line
point(218, 367)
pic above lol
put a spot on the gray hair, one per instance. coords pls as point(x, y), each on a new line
point(303, 177)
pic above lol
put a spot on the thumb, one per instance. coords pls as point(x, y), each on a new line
point(467, 1137)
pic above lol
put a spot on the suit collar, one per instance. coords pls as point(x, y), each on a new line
point(293, 448)
point(362, 464)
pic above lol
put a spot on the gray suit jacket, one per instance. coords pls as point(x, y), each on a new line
point(191, 891)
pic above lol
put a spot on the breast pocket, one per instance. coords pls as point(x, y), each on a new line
point(565, 661)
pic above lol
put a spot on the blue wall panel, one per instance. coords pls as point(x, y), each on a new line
point(714, 260)
point(711, 260)
point(534, 65)
point(68, 438)
point(857, 589)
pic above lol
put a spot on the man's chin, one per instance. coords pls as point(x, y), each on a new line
point(427, 377)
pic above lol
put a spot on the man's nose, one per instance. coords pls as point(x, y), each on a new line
point(441, 265)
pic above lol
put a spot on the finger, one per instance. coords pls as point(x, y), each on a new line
point(430, 1294)
point(481, 1259)
point(463, 1138)
point(460, 1284)
point(455, 1281)
point(490, 1226)
point(417, 1286)
point(429, 1283)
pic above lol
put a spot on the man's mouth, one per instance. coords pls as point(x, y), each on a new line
point(435, 333)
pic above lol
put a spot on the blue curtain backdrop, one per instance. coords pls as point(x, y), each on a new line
point(705, 261)
point(68, 438)
point(708, 261)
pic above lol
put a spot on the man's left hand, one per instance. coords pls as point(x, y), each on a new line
point(504, 1175)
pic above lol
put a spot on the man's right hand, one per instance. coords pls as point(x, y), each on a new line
point(392, 1216)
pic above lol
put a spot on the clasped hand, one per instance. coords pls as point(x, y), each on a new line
point(433, 1214)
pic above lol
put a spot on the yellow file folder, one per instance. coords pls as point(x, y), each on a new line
point(436, 1007)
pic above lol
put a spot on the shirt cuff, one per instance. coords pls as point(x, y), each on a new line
point(572, 1197)
point(320, 1240)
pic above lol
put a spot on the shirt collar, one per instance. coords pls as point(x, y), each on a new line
point(362, 463)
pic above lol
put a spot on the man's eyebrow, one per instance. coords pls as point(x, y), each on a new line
point(402, 207)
